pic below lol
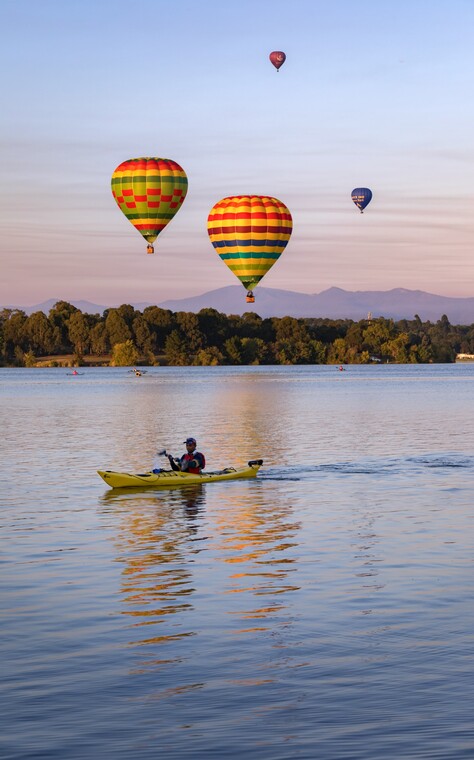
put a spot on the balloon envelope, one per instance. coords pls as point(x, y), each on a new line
point(361, 197)
point(278, 58)
point(249, 233)
point(149, 191)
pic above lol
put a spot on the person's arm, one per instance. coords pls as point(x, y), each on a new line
point(198, 460)
point(175, 465)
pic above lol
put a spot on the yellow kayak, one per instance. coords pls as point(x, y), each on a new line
point(168, 478)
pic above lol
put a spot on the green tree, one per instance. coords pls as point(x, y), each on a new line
point(337, 352)
point(5, 315)
point(467, 342)
point(444, 325)
point(59, 317)
point(445, 341)
point(233, 350)
point(292, 352)
point(247, 351)
point(250, 325)
point(78, 331)
point(160, 323)
point(177, 350)
point(256, 351)
point(328, 330)
point(442, 352)
point(117, 329)
point(214, 327)
point(377, 335)
point(13, 336)
point(425, 352)
point(128, 313)
point(19, 356)
point(292, 342)
point(38, 333)
point(208, 357)
point(188, 324)
point(124, 354)
point(29, 359)
point(318, 352)
point(99, 339)
point(355, 336)
point(143, 335)
point(397, 349)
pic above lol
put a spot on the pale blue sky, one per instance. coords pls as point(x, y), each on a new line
point(375, 94)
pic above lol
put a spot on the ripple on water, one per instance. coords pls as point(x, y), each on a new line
point(322, 610)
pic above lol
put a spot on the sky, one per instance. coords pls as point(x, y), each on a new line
point(375, 94)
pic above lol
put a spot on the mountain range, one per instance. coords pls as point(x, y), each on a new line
point(333, 303)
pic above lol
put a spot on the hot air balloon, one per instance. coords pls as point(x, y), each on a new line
point(149, 191)
point(361, 197)
point(249, 232)
point(278, 58)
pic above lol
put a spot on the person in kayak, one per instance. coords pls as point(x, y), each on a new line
point(193, 461)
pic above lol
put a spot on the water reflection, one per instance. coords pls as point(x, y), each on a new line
point(246, 405)
point(153, 546)
point(256, 538)
point(239, 551)
point(367, 558)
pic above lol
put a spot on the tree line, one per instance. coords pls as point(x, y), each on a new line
point(124, 336)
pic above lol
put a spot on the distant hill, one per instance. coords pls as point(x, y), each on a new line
point(333, 303)
point(85, 306)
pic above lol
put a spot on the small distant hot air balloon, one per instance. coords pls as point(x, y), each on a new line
point(361, 197)
point(278, 58)
point(149, 191)
point(249, 233)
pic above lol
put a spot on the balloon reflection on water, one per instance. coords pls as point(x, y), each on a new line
point(258, 425)
point(249, 544)
point(255, 538)
point(153, 547)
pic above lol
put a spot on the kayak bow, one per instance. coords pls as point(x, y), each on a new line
point(168, 478)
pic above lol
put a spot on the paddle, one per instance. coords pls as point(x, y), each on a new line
point(171, 459)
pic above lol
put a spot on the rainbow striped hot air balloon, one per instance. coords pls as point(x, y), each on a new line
point(249, 233)
point(149, 191)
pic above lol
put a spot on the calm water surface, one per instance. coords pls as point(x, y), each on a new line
point(324, 610)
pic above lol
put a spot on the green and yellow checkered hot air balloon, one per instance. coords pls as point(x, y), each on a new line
point(149, 191)
point(249, 233)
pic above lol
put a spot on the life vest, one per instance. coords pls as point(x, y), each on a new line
point(190, 457)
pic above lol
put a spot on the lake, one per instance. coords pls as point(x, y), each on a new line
point(323, 610)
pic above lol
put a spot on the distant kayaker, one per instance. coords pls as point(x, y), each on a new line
point(193, 461)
